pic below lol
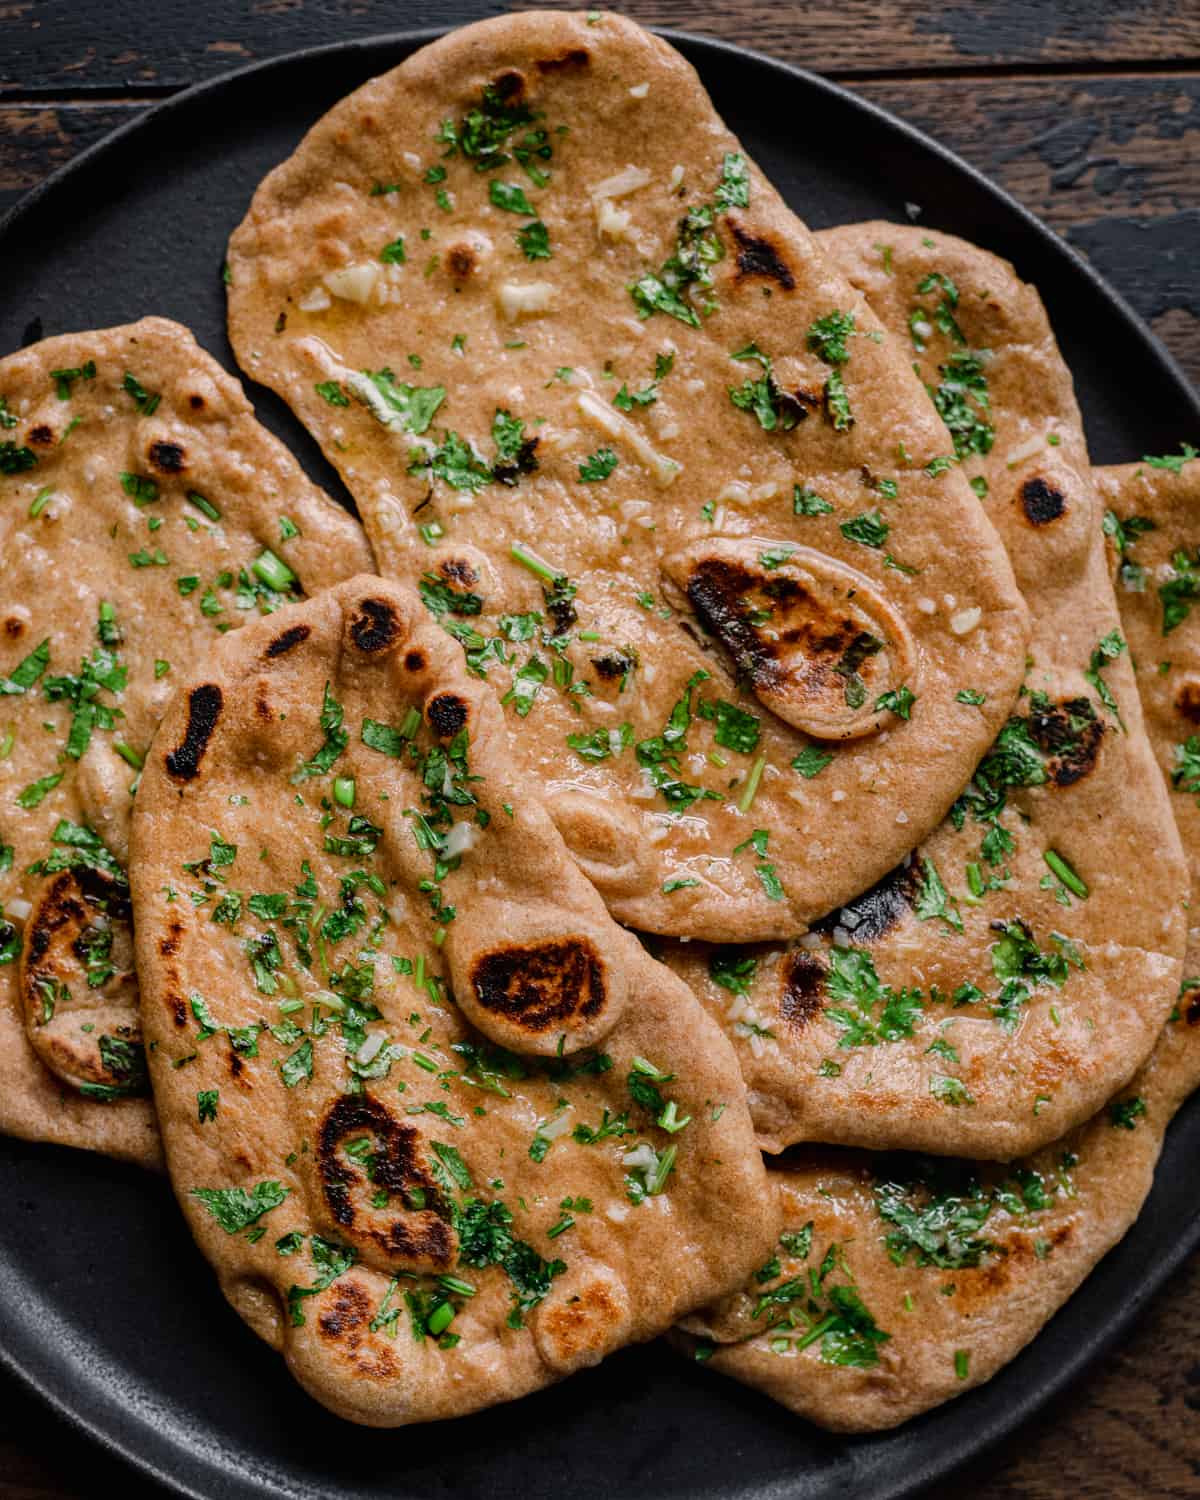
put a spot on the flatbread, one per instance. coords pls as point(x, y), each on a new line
point(986, 1020)
point(953, 1313)
point(607, 500)
point(132, 475)
point(1049, 1219)
point(416, 1088)
point(1156, 590)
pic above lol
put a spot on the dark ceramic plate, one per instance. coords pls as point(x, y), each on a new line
point(106, 1308)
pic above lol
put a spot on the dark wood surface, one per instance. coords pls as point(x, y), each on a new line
point(1088, 112)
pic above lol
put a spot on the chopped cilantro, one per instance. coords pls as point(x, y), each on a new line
point(898, 701)
point(1173, 461)
point(235, 1209)
point(598, 466)
point(534, 241)
point(510, 196)
point(774, 407)
point(828, 337)
point(806, 502)
point(1123, 1114)
point(811, 761)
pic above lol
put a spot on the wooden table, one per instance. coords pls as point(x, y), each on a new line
point(1089, 112)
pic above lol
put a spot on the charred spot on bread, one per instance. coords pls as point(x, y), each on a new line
point(204, 710)
point(716, 590)
point(168, 946)
point(414, 661)
point(375, 627)
point(168, 458)
point(1041, 502)
point(348, 1312)
point(728, 598)
point(757, 256)
point(877, 911)
point(447, 713)
point(541, 985)
point(41, 436)
point(614, 664)
point(460, 572)
point(345, 1322)
point(286, 642)
point(14, 627)
point(461, 259)
point(573, 57)
point(1187, 701)
point(509, 86)
point(803, 988)
point(417, 1233)
point(1069, 734)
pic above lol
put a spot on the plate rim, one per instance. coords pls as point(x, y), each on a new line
point(90, 1423)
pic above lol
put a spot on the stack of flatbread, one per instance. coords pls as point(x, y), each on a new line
point(720, 812)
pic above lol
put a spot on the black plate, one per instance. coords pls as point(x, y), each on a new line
point(106, 1308)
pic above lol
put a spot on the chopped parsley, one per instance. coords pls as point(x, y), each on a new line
point(1123, 1114)
point(733, 190)
point(933, 901)
point(813, 1309)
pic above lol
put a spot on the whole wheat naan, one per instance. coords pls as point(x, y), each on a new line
point(900, 1282)
point(649, 458)
point(444, 1129)
point(144, 513)
point(958, 1264)
point(1152, 521)
point(1003, 982)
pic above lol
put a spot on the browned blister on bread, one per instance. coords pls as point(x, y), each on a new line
point(649, 456)
point(145, 512)
point(432, 1115)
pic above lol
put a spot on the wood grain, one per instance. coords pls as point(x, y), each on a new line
point(1089, 113)
point(68, 46)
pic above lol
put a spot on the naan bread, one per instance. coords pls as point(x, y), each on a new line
point(445, 1131)
point(1152, 521)
point(1000, 985)
point(144, 512)
point(654, 462)
point(1014, 1243)
point(939, 1271)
